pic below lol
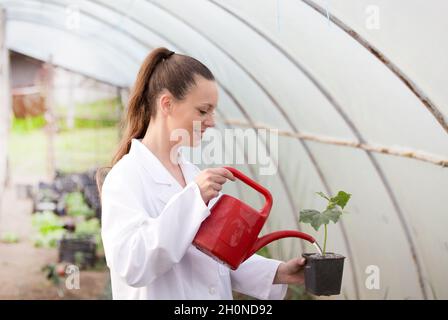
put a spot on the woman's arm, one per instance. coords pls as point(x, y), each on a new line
point(141, 248)
point(255, 277)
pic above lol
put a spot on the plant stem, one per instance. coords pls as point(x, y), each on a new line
point(325, 239)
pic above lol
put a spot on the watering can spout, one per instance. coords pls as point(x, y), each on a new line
point(265, 240)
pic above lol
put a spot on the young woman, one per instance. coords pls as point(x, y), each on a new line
point(153, 200)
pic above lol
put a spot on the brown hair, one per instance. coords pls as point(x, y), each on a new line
point(161, 69)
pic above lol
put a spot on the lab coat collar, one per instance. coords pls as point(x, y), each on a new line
point(155, 168)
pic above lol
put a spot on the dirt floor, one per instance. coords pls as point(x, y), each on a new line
point(21, 275)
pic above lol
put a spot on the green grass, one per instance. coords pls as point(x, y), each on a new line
point(90, 144)
point(105, 109)
point(75, 150)
point(83, 149)
point(23, 125)
point(9, 237)
point(100, 113)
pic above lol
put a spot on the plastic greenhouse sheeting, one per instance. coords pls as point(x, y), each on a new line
point(371, 72)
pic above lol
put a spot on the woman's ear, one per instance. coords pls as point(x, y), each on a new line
point(165, 103)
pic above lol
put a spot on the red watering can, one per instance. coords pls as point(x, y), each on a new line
point(230, 233)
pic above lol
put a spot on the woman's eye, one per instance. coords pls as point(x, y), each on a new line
point(203, 112)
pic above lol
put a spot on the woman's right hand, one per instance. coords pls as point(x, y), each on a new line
point(210, 182)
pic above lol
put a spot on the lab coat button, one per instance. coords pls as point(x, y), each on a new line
point(212, 289)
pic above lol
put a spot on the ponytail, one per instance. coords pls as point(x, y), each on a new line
point(140, 109)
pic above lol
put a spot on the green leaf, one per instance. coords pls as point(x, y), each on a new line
point(49, 229)
point(341, 199)
point(319, 220)
point(323, 195)
point(76, 205)
point(333, 211)
point(331, 205)
point(333, 214)
point(89, 227)
point(313, 217)
point(306, 215)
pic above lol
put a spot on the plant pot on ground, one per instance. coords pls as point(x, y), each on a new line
point(79, 250)
point(324, 270)
point(81, 246)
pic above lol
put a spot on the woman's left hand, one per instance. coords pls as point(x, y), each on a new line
point(290, 272)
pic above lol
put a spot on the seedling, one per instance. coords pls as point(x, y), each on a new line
point(332, 212)
point(323, 272)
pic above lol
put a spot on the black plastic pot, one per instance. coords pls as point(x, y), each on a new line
point(80, 250)
point(323, 274)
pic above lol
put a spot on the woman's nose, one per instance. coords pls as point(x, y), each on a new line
point(210, 121)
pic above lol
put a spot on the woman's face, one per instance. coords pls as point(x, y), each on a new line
point(194, 114)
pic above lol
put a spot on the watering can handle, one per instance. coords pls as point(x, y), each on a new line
point(265, 192)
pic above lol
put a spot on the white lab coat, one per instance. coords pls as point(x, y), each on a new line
point(148, 225)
